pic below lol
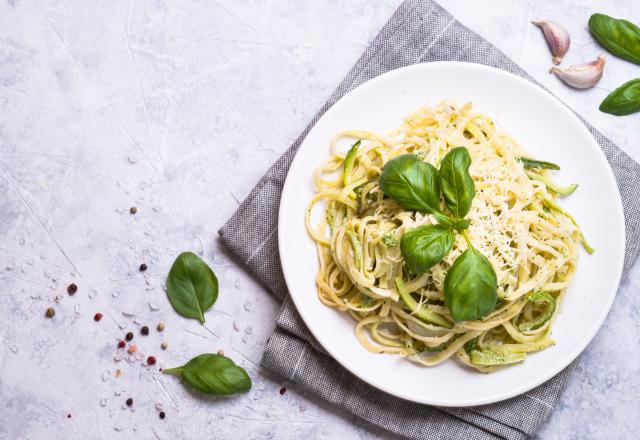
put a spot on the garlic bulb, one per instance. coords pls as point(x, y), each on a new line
point(582, 76)
point(557, 38)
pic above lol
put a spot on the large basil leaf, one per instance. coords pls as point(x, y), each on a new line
point(213, 374)
point(470, 286)
point(624, 100)
point(192, 287)
point(457, 185)
point(412, 183)
point(620, 37)
point(424, 246)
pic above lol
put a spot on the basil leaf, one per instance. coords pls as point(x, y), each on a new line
point(457, 185)
point(423, 247)
point(624, 100)
point(470, 286)
point(412, 183)
point(192, 287)
point(213, 374)
point(620, 37)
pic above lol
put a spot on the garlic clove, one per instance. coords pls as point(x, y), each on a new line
point(557, 38)
point(582, 76)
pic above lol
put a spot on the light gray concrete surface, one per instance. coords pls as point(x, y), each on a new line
point(177, 108)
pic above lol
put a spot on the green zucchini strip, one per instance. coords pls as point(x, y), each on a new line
point(348, 163)
point(421, 311)
point(539, 297)
point(357, 247)
point(506, 353)
point(529, 164)
point(554, 206)
point(560, 190)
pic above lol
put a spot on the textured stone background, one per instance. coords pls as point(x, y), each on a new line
point(177, 108)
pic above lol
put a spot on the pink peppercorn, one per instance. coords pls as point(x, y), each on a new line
point(97, 317)
point(121, 344)
point(151, 360)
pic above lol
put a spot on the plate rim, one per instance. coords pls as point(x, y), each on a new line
point(551, 372)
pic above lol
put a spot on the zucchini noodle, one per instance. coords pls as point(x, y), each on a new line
point(532, 246)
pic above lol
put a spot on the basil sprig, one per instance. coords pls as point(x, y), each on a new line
point(213, 374)
point(192, 287)
point(624, 100)
point(471, 283)
point(620, 37)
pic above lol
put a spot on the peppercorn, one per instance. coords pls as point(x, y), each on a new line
point(283, 390)
point(160, 326)
point(72, 289)
point(50, 312)
point(121, 344)
point(144, 330)
point(164, 345)
point(151, 360)
point(143, 267)
point(221, 352)
point(129, 401)
point(97, 317)
point(162, 415)
point(129, 336)
point(133, 210)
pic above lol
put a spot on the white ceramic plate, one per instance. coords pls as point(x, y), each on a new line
point(544, 127)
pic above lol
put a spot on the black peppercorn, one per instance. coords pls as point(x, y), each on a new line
point(129, 401)
point(143, 267)
point(144, 330)
point(129, 336)
point(72, 289)
point(162, 414)
point(50, 312)
point(133, 210)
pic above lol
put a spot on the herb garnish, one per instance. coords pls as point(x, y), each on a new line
point(213, 374)
point(620, 37)
point(471, 284)
point(192, 287)
point(624, 100)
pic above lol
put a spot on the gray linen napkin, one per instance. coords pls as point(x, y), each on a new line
point(419, 31)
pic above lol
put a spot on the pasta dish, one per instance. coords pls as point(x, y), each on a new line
point(443, 239)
